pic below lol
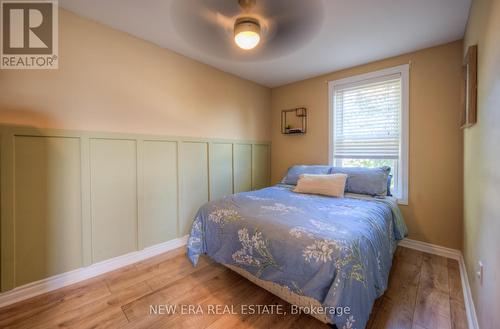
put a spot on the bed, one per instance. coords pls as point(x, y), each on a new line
point(308, 249)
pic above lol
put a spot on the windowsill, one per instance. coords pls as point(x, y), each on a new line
point(403, 202)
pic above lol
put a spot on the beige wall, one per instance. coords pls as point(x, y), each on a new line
point(434, 212)
point(110, 81)
point(481, 165)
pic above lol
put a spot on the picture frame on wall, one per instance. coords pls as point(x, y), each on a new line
point(469, 88)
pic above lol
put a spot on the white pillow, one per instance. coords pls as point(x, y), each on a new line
point(331, 185)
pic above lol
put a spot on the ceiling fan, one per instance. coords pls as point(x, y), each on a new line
point(246, 30)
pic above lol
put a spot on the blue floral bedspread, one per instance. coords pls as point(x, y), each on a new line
point(337, 251)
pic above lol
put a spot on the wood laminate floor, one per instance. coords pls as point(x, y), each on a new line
point(424, 293)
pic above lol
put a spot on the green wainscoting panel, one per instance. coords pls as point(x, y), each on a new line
point(242, 164)
point(72, 198)
point(221, 170)
point(7, 206)
point(194, 182)
point(261, 163)
point(47, 207)
point(113, 172)
point(158, 203)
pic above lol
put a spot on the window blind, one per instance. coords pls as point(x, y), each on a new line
point(367, 119)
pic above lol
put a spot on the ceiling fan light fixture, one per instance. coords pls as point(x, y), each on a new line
point(246, 33)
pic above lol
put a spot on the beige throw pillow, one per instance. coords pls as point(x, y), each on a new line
point(331, 185)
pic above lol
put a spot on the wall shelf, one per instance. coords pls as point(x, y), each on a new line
point(294, 121)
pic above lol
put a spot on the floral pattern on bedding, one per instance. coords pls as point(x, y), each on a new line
point(335, 250)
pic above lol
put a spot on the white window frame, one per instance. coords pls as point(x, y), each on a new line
point(404, 71)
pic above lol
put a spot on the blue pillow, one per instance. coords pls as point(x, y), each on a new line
point(292, 176)
point(360, 180)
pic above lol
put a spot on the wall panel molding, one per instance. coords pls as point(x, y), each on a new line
point(158, 196)
point(242, 167)
point(114, 197)
point(194, 181)
point(47, 232)
point(133, 191)
point(261, 164)
point(221, 170)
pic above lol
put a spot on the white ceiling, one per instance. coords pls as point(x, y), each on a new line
point(304, 38)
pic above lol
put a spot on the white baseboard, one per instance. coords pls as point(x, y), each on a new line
point(65, 279)
point(453, 254)
point(431, 248)
point(469, 302)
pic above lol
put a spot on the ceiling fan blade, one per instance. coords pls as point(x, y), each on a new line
point(218, 18)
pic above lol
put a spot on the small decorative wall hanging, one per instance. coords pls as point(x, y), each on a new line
point(469, 88)
point(294, 121)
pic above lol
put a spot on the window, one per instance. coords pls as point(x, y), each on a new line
point(369, 124)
